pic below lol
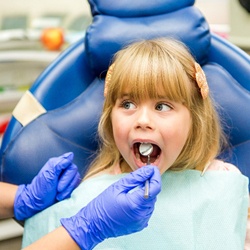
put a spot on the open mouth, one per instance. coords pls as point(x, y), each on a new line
point(144, 159)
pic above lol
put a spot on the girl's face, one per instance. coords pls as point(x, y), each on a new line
point(163, 123)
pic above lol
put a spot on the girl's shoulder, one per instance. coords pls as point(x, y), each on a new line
point(219, 165)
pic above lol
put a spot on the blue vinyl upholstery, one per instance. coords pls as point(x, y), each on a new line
point(71, 88)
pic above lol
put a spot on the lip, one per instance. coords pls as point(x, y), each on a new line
point(144, 141)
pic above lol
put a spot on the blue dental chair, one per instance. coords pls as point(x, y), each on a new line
point(61, 110)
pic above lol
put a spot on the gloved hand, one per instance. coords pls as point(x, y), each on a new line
point(55, 182)
point(119, 210)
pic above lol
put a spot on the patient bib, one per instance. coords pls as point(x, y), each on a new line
point(192, 212)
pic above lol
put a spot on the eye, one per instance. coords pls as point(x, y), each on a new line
point(163, 107)
point(128, 105)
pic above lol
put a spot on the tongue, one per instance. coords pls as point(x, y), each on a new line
point(144, 159)
point(155, 151)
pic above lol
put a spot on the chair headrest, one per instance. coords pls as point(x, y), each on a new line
point(132, 8)
point(107, 34)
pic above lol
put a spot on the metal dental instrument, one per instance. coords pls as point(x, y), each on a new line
point(146, 149)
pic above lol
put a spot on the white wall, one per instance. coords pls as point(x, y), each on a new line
point(240, 25)
point(38, 7)
point(215, 11)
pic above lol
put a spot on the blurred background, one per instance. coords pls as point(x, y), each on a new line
point(33, 33)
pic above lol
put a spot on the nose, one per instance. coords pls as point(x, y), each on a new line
point(144, 119)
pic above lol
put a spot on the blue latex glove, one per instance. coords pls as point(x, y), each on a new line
point(55, 182)
point(119, 210)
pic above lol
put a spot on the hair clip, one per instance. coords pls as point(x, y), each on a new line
point(108, 78)
point(201, 80)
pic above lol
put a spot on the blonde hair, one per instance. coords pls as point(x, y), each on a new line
point(150, 68)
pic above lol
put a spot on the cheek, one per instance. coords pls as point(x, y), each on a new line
point(118, 129)
point(176, 141)
point(181, 133)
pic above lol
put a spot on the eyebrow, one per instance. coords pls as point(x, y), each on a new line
point(126, 95)
point(162, 96)
point(131, 95)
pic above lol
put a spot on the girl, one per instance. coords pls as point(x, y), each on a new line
point(156, 93)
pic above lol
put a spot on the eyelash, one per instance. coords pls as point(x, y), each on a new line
point(125, 102)
point(163, 103)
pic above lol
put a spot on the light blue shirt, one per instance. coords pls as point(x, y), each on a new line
point(191, 213)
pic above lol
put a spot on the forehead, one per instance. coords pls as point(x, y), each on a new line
point(142, 91)
point(150, 73)
point(159, 86)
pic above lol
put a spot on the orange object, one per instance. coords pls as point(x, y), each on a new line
point(3, 125)
point(52, 38)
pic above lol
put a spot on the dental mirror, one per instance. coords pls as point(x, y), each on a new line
point(146, 149)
